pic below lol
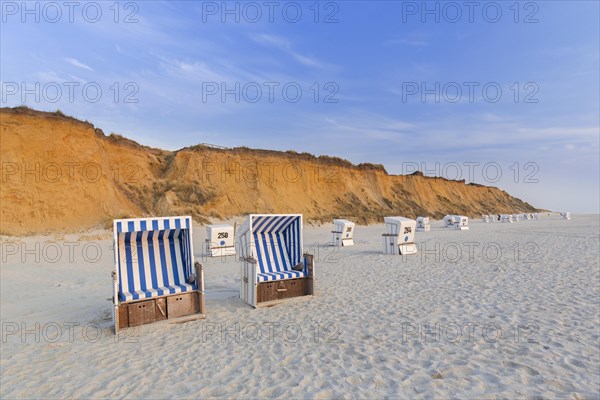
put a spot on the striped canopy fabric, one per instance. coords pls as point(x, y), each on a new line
point(154, 257)
point(152, 224)
point(275, 241)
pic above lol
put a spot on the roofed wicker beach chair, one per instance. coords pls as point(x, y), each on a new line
point(450, 221)
point(400, 236)
point(343, 234)
point(462, 223)
point(155, 277)
point(273, 267)
point(423, 224)
point(458, 222)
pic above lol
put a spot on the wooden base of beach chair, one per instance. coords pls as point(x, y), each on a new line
point(149, 311)
point(266, 304)
point(280, 290)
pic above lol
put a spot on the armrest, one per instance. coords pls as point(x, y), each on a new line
point(309, 260)
point(115, 287)
point(199, 276)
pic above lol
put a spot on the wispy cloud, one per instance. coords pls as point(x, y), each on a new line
point(417, 39)
point(78, 64)
point(285, 46)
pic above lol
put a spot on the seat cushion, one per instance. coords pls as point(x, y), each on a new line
point(160, 291)
point(278, 276)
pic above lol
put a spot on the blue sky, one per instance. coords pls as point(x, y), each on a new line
point(397, 83)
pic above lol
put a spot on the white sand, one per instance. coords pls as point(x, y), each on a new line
point(527, 329)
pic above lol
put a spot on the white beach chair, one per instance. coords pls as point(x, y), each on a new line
point(566, 215)
point(449, 221)
point(423, 224)
point(400, 236)
point(220, 240)
point(485, 218)
point(462, 224)
point(343, 234)
point(273, 267)
point(155, 277)
point(506, 218)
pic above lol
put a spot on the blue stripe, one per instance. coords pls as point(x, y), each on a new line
point(129, 260)
point(184, 256)
point(274, 252)
point(283, 254)
point(140, 260)
point(177, 223)
point(257, 223)
point(130, 226)
point(273, 221)
point(259, 253)
point(174, 257)
point(298, 242)
point(163, 258)
point(152, 261)
point(267, 254)
point(155, 224)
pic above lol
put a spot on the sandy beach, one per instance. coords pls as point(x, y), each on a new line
point(498, 311)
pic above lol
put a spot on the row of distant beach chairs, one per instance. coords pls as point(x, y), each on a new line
point(156, 277)
point(510, 218)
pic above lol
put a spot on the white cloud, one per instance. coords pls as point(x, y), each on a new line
point(78, 64)
point(285, 46)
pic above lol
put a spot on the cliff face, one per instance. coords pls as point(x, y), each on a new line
point(61, 174)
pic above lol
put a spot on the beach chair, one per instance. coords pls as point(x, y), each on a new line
point(343, 234)
point(485, 218)
point(273, 267)
point(516, 217)
point(506, 218)
point(462, 223)
point(155, 277)
point(423, 224)
point(220, 240)
point(400, 236)
point(450, 221)
point(566, 215)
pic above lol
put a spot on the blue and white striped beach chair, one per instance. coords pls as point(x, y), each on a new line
point(155, 277)
point(273, 267)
